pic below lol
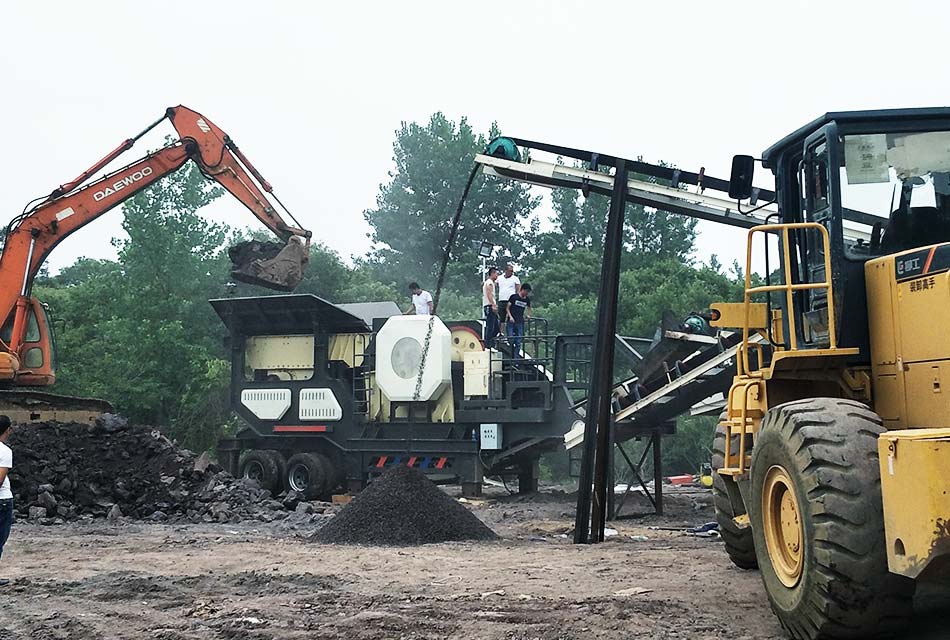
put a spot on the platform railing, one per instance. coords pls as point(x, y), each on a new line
point(743, 419)
point(787, 286)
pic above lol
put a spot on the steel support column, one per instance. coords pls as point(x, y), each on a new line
point(658, 472)
point(591, 515)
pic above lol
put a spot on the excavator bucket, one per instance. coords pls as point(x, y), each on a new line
point(269, 264)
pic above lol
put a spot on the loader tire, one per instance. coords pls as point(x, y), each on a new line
point(310, 475)
point(818, 523)
point(267, 467)
point(738, 542)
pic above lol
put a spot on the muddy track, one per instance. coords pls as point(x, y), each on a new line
point(137, 581)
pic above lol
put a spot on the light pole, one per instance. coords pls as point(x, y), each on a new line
point(485, 249)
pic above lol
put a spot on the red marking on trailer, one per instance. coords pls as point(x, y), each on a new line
point(382, 461)
point(440, 463)
point(288, 428)
point(412, 461)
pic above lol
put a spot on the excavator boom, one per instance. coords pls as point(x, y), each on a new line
point(31, 236)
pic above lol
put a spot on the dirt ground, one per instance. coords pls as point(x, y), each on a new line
point(136, 581)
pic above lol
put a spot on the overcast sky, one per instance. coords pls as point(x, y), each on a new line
point(314, 91)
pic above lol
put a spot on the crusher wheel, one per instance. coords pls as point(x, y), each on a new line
point(311, 475)
point(267, 467)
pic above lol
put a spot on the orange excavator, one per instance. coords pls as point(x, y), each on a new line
point(27, 353)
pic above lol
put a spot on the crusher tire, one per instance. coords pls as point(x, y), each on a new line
point(817, 517)
point(266, 467)
point(739, 543)
point(310, 475)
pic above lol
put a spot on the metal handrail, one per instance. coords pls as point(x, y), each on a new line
point(788, 287)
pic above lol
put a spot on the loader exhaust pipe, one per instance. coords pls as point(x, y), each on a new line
point(270, 264)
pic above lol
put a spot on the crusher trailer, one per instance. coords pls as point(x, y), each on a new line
point(335, 394)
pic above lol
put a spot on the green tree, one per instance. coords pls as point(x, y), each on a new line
point(140, 332)
point(414, 209)
point(566, 275)
point(647, 291)
point(326, 276)
point(580, 223)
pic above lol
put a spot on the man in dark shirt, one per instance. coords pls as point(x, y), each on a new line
point(519, 306)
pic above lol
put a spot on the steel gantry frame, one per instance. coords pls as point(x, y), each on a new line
point(640, 183)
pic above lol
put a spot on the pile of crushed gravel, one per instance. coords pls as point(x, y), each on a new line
point(71, 471)
point(403, 507)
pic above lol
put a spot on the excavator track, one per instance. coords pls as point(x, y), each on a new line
point(37, 406)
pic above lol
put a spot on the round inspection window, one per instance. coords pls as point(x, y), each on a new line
point(407, 357)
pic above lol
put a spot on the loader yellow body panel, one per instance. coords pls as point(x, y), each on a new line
point(916, 494)
point(908, 297)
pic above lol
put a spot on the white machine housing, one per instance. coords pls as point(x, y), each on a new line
point(266, 404)
point(399, 346)
point(319, 404)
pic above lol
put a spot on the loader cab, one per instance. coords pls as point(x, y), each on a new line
point(879, 183)
point(37, 354)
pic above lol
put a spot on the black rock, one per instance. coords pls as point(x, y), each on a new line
point(403, 507)
point(75, 472)
point(47, 501)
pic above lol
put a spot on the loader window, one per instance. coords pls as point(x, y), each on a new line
point(812, 304)
point(903, 181)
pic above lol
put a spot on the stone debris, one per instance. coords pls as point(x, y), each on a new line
point(113, 470)
point(403, 507)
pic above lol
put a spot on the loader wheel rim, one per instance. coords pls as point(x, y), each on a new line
point(782, 526)
point(299, 478)
point(254, 470)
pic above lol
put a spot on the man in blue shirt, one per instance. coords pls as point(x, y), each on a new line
point(519, 306)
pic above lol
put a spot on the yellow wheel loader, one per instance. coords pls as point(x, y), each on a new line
point(831, 458)
point(834, 448)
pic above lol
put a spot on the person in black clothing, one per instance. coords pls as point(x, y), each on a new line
point(519, 306)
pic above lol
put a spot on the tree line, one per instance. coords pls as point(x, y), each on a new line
point(138, 330)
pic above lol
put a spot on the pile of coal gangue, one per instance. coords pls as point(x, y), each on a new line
point(403, 507)
point(110, 469)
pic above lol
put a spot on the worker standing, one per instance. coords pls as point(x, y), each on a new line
point(490, 308)
point(508, 285)
point(519, 306)
point(421, 300)
point(6, 495)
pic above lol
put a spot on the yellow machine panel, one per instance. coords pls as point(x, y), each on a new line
point(914, 465)
point(476, 373)
point(291, 357)
point(287, 357)
point(910, 348)
point(919, 302)
point(349, 348)
point(928, 403)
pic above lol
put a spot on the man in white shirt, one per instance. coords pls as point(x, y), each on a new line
point(490, 308)
point(6, 495)
point(508, 285)
point(421, 300)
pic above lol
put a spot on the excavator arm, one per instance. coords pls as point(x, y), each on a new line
point(33, 235)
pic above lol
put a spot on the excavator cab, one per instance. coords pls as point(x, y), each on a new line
point(37, 355)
